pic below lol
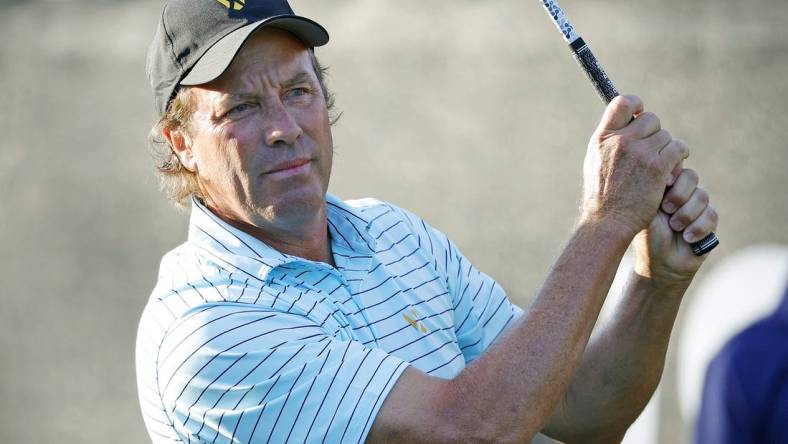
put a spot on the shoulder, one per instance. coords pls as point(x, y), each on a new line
point(188, 279)
point(756, 341)
point(372, 208)
point(756, 358)
point(188, 268)
point(379, 213)
point(388, 223)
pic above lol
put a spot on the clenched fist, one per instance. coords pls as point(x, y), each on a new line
point(633, 176)
point(630, 161)
point(663, 251)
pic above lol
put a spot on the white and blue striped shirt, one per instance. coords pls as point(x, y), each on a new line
point(240, 343)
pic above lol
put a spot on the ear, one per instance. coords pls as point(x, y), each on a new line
point(181, 145)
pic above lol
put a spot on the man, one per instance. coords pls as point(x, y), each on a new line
point(745, 394)
point(292, 316)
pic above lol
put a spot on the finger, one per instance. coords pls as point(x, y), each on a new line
point(659, 140)
point(644, 125)
point(619, 112)
point(702, 226)
point(675, 173)
point(674, 152)
point(681, 191)
point(686, 215)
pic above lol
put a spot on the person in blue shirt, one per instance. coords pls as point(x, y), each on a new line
point(290, 315)
point(745, 394)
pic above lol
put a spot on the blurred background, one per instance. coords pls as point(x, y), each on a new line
point(470, 113)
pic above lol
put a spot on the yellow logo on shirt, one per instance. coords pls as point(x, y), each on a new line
point(232, 4)
point(414, 322)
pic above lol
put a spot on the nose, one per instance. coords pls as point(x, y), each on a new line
point(280, 126)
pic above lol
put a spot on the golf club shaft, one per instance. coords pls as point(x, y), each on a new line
point(604, 86)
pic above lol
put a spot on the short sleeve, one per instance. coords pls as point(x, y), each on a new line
point(482, 310)
point(238, 373)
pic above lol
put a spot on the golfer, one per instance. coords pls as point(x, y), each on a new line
point(290, 315)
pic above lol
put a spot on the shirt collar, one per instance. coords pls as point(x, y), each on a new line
point(348, 227)
point(229, 245)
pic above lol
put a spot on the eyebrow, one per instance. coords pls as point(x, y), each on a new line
point(300, 77)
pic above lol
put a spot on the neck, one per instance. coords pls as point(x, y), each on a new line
point(310, 240)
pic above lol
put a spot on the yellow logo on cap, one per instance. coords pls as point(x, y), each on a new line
point(232, 4)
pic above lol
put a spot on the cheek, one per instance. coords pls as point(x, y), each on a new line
point(235, 148)
point(242, 134)
point(315, 121)
point(321, 132)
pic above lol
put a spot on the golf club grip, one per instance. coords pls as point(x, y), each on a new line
point(593, 70)
point(607, 92)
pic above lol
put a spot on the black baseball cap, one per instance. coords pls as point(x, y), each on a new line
point(196, 40)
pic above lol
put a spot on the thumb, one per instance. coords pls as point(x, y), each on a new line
point(619, 113)
point(658, 236)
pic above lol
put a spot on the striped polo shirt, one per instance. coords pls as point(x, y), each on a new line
point(240, 343)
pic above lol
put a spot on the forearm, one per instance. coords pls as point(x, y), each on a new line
point(517, 383)
point(623, 363)
point(510, 392)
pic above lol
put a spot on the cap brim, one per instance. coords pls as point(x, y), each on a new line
point(219, 56)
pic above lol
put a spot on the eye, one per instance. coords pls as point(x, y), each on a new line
point(239, 109)
point(298, 92)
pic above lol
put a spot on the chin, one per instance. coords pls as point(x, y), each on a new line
point(293, 206)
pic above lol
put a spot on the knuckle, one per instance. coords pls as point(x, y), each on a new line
point(703, 196)
point(666, 134)
point(662, 138)
point(620, 101)
point(682, 218)
point(691, 176)
point(652, 118)
point(712, 213)
point(626, 104)
point(630, 97)
point(621, 104)
point(683, 146)
point(674, 199)
point(629, 100)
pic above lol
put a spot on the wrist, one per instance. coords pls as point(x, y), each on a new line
point(659, 279)
point(607, 230)
point(612, 225)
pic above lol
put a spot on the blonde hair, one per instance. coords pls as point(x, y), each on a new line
point(177, 182)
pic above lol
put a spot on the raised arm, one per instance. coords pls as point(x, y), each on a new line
point(623, 363)
point(510, 392)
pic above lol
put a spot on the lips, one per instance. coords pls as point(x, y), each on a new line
point(290, 166)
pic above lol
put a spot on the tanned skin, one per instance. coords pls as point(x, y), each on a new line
point(543, 375)
point(260, 146)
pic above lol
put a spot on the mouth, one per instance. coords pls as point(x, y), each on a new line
point(290, 167)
